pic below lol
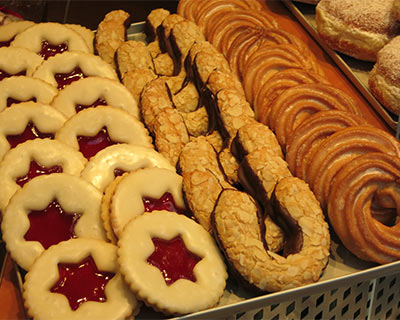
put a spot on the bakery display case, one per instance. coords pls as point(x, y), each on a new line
point(348, 287)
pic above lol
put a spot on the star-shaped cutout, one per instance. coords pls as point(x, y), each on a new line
point(35, 170)
point(166, 202)
point(64, 79)
point(89, 146)
point(30, 133)
point(51, 225)
point(173, 259)
point(81, 282)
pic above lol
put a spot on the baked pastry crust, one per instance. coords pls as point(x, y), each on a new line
point(15, 60)
point(73, 194)
point(10, 30)
point(45, 152)
point(86, 91)
point(41, 303)
point(183, 296)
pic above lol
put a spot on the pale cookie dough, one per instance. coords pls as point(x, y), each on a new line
point(66, 62)
point(10, 30)
point(183, 296)
point(24, 88)
point(55, 33)
point(121, 127)
point(41, 303)
point(46, 153)
point(86, 91)
point(14, 120)
point(73, 194)
point(127, 200)
point(18, 60)
point(100, 169)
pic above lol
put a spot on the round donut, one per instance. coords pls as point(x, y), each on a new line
point(384, 80)
point(357, 28)
point(363, 186)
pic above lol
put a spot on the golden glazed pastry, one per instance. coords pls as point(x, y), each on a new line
point(94, 264)
point(365, 185)
point(357, 28)
point(173, 238)
point(48, 198)
point(384, 80)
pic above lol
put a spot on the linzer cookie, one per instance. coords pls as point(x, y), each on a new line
point(145, 190)
point(18, 89)
point(33, 158)
point(77, 278)
point(10, 30)
point(118, 159)
point(92, 92)
point(17, 61)
point(94, 129)
point(67, 67)
point(27, 121)
point(49, 38)
point(47, 210)
point(184, 264)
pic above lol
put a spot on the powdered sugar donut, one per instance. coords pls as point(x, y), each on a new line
point(93, 91)
point(29, 222)
point(27, 121)
point(17, 89)
point(33, 158)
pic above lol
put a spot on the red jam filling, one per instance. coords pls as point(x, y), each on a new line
point(173, 259)
point(166, 202)
point(64, 79)
point(10, 101)
point(4, 74)
point(118, 172)
point(89, 146)
point(6, 43)
point(51, 225)
point(81, 282)
point(35, 170)
point(98, 102)
point(48, 50)
point(30, 133)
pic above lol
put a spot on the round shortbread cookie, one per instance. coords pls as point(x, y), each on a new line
point(27, 121)
point(42, 303)
point(10, 30)
point(23, 88)
point(92, 91)
point(59, 37)
point(66, 67)
point(128, 200)
point(101, 168)
point(58, 190)
point(147, 281)
point(101, 127)
point(36, 157)
point(19, 61)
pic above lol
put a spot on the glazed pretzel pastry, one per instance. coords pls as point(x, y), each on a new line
point(368, 182)
point(236, 227)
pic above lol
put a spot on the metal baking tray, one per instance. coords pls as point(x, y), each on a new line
point(356, 70)
point(343, 269)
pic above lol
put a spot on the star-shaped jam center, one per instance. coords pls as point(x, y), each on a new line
point(173, 259)
point(81, 282)
point(166, 202)
point(48, 50)
point(4, 74)
point(30, 133)
point(64, 79)
point(98, 102)
point(51, 225)
point(35, 170)
point(89, 146)
point(11, 100)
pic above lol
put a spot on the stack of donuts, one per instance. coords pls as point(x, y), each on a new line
point(320, 130)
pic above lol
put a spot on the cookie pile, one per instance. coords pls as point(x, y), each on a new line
point(78, 164)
